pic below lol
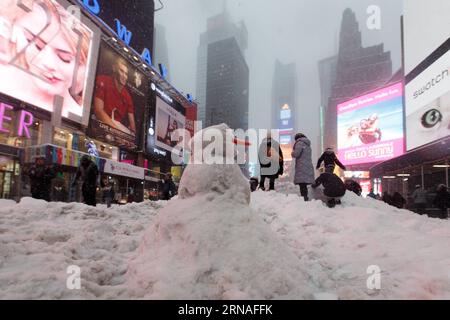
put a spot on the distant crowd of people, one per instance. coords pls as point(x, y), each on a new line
point(271, 162)
point(45, 185)
point(332, 189)
point(420, 200)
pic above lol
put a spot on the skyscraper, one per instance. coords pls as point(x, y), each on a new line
point(227, 85)
point(284, 104)
point(358, 70)
point(222, 70)
point(160, 49)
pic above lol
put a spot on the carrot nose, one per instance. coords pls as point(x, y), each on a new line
point(241, 142)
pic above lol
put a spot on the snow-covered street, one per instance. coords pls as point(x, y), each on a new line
point(210, 248)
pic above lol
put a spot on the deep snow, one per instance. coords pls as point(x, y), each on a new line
point(202, 254)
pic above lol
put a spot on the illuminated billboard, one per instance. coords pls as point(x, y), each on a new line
point(427, 68)
point(168, 123)
point(45, 52)
point(286, 131)
point(428, 104)
point(370, 127)
point(120, 97)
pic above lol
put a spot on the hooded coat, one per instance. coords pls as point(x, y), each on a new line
point(304, 169)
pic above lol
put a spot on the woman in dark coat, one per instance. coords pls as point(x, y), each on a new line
point(304, 169)
point(271, 162)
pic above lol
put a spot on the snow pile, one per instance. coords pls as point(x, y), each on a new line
point(209, 244)
point(337, 246)
point(214, 248)
point(40, 240)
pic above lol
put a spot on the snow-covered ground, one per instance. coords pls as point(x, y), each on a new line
point(212, 248)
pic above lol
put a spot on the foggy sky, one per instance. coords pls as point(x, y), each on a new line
point(300, 31)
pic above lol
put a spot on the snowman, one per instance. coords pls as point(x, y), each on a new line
point(222, 177)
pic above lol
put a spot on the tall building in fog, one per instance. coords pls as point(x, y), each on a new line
point(354, 71)
point(160, 48)
point(284, 103)
point(222, 73)
point(227, 85)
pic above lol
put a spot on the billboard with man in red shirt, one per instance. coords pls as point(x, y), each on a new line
point(120, 96)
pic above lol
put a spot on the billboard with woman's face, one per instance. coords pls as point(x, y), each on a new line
point(45, 51)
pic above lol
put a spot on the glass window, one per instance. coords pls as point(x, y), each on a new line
point(10, 134)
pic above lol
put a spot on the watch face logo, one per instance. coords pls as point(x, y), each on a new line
point(153, 86)
point(431, 118)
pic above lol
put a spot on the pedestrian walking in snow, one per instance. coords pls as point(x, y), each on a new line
point(271, 162)
point(167, 187)
point(330, 161)
point(41, 177)
point(304, 169)
point(108, 193)
point(88, 172)
point(419, 197)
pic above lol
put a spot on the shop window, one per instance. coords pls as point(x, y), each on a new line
point(62, 138)
point(10, 134)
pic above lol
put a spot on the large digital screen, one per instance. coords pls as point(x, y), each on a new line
point(120, 97)
point(426, 28)
point(370, 128)
point(168, 121)
point(428, 104)
point(427, 68)
point(46, 51)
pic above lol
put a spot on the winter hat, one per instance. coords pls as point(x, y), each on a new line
point(299, 136)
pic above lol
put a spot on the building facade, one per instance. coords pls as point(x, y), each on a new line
point(227, 85)
point(103, 111)
point(284, 104)
point(354, 71)
point(219, 27)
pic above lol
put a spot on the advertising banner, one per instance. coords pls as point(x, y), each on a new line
point(46, 52)
point(119, 100)
point(428, 104)
point(124, 169)
point(286, 131)
point(370, 128)
point(168, 120)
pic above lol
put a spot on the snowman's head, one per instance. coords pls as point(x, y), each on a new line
point(215, 144)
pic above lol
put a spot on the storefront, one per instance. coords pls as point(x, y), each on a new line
point(427, 166)
point(127, 180)
point(19, 128)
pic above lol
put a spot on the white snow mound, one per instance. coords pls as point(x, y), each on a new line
point(214, 248)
